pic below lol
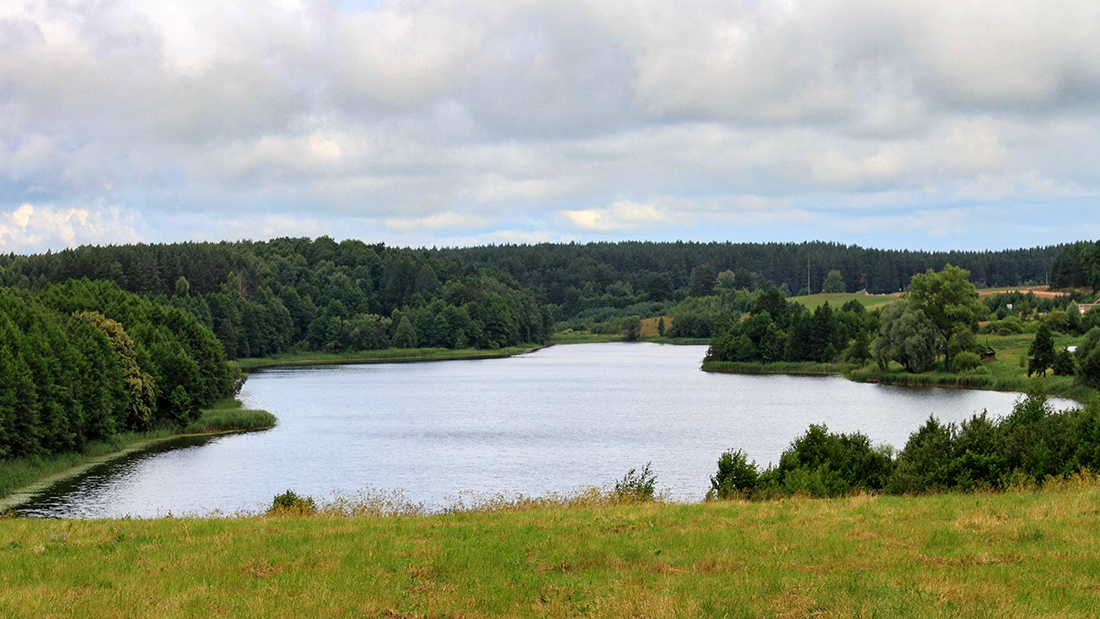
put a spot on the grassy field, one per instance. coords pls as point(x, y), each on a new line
point(1022, 553)
point(869, 301)
point(388, 355)
point(225, 416)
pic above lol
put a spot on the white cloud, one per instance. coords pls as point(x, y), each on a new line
point(417, 118)
point(622, 215)
point(33, 228)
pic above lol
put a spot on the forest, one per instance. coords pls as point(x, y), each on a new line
point(1077, 266)
point(264, 298)
point(605, 280)
point(83, 361)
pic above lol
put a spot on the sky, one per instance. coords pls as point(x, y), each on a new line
point(909, 124)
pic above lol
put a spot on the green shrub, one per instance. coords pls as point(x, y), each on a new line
point(965, 360)
point(637, 486)
point(821, 464)
point(922, 465)
point(1064, 363)
point(736, 476)
point(290, 504)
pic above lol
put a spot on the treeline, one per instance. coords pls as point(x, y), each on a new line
point(1030, 445)
point(605, 279)
point(83, 361)
point(778, 330)
point(263, 298)
point(1077, 266)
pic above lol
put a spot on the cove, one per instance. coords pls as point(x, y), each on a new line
point(550, 421)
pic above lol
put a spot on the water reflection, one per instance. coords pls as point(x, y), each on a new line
point(77, 497)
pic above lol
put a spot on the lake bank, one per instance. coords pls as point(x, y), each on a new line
point(22, 479)
point(1007, 371)
point(387, 355)
point(1020, 553)
point(423, 355)
point(1056, 386)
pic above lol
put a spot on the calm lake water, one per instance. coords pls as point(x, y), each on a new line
point(551, 421)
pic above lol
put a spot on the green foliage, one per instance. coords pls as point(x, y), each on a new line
point(907, 337)
point(637, 485)
point(965, 361)
point(1064, 363)
point(1077, 266)
point(1032, 444)
point(736, 476)
point(821, 464)
point(632, 328)
point(834, 283)
point(703, 280)
point(1008, 326)
point(83, 361)
point(265, 298)
point(948, 300)
point(290, 504)
point(777, 330)
point(1088, 358)
point(859, 351)
point(229, 417)
point(1041, 352)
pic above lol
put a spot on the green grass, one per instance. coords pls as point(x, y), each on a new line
point(228, 416)
point(1021, 553)
point(584, 337)
point(779, 367)
point(836, 300)
point(388, 355)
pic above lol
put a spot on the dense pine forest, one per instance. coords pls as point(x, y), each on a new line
point(264, 298)
point(82, 361)
point(1077, 266)
point(604, 280)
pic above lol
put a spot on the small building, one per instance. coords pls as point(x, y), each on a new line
point(1085, 307)
point(990, 354)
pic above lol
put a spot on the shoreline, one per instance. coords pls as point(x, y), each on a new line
point(1020, 385)
point(21, 494)
point(387, 355)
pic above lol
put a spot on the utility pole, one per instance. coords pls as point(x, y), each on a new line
point(807, 275)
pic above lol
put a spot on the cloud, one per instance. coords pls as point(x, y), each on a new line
point(580, 118)
point(622, 215)
point(33, 228)
point(441, 221)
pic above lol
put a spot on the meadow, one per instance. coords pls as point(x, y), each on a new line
point(1025, 552)
point(838, 299)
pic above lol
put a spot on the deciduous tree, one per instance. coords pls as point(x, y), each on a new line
point(948, 300)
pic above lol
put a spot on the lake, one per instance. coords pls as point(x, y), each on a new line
point(554, 420)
